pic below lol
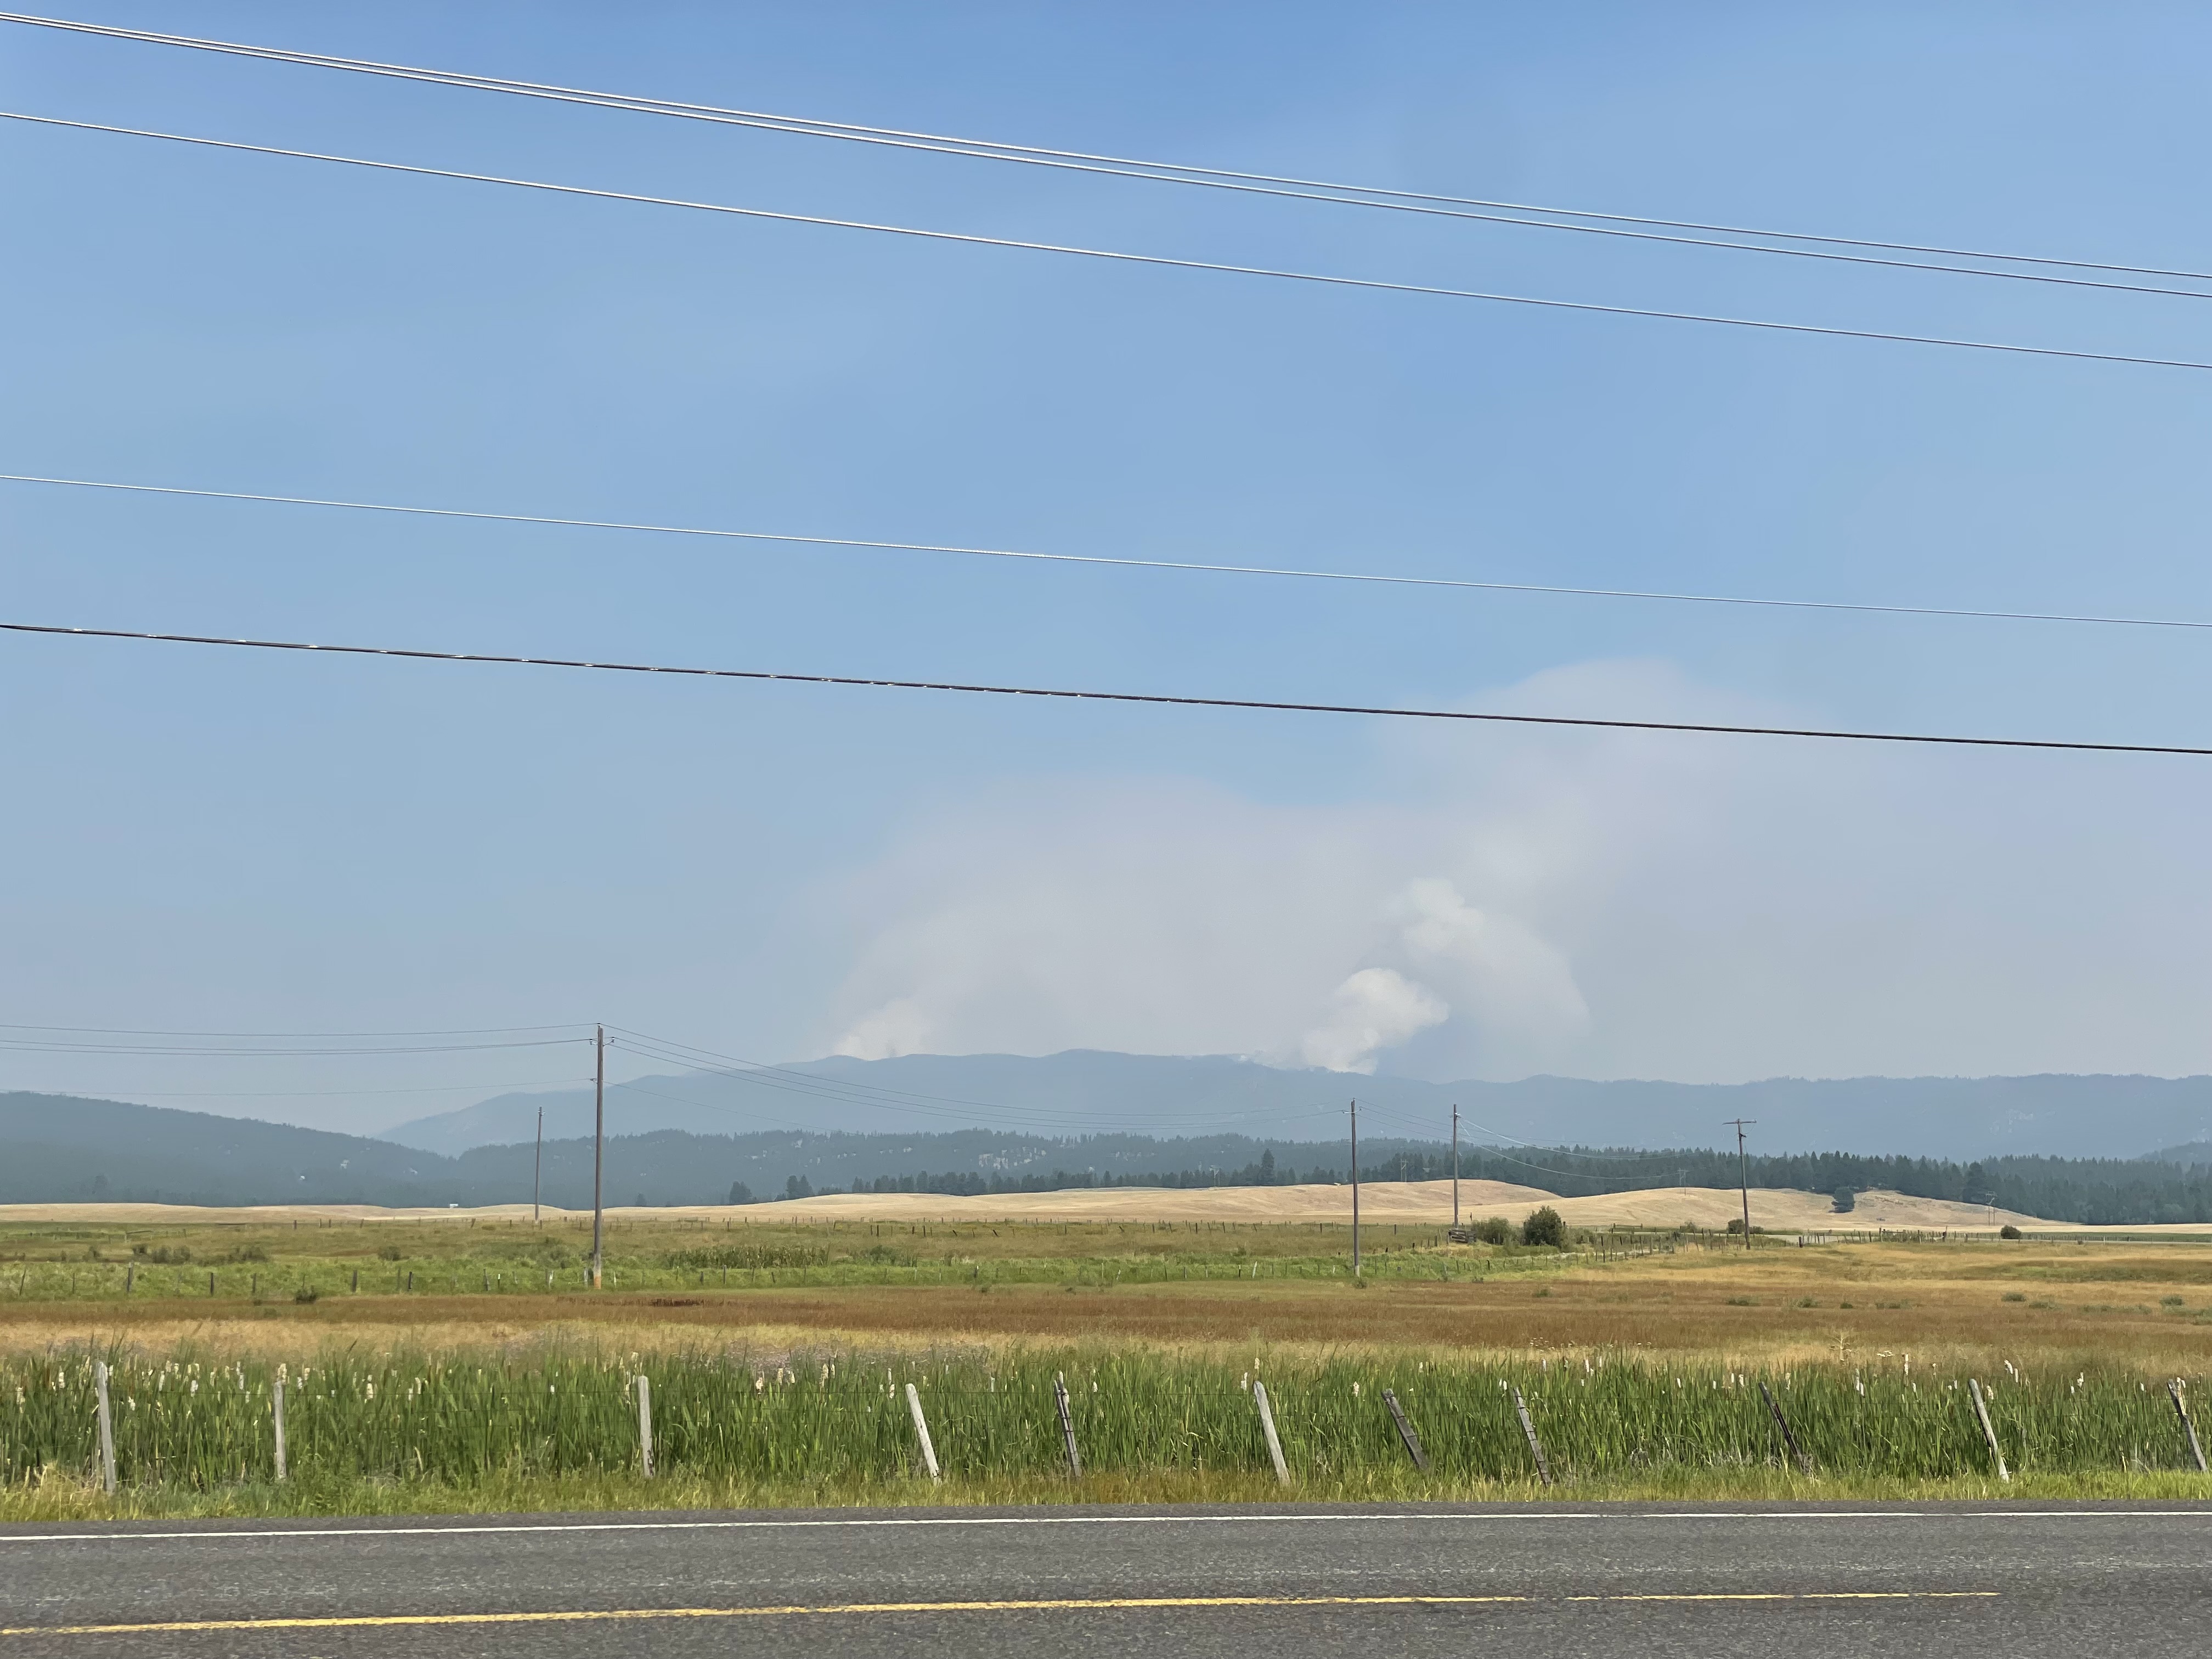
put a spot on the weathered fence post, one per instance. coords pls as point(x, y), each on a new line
point(107, 1427)
point(1405, 1432)
point(1982, 1411)
point(2181, 1410)
point(1536, 1446)
point(921, 1432)
point(1804, 1464)
point(130, 1276)
point(1267, 1428)
point(356, 1281)
point(277, 1412)
point(645, 1425)
point(1067, 1426)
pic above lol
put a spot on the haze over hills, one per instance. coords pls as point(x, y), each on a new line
point(1091, 1092)
point(59, 1149)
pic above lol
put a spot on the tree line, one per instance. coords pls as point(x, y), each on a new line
point(2096, 1192)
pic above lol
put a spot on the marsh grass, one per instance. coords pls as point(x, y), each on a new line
point(833, 1427)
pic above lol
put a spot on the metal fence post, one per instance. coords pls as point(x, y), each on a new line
point(921, 1432)
point(1405, 1430)
point(1804, 1464)
point(107, 1427)
point(1982, 1411)
point(1536, 1446)
point(1067, 1426)
point(1267, 1428)
point(645, 1425)
point(2188, 1428)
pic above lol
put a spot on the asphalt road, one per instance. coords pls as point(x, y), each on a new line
point(2117, 1581)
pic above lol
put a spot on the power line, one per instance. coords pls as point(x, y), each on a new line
point(55, 1046)
point(119, 1030)
point(1067, 694)
point(304, 1094)
point(1121, 256)
point(1348, 195)
point(785, 537)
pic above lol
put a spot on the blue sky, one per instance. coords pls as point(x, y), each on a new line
point(203, 841)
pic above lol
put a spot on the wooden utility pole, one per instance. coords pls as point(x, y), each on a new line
point(1355, 1189)
point(1455, 1164)
point(537, 1168)
point(599, 1153)
point(1743, 1170)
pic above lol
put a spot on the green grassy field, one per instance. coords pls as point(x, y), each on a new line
point(278, 1262)
point(777, 1358)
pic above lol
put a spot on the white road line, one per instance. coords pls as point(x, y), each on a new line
point(227, 1535)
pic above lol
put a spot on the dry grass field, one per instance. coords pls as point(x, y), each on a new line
point(1424, 1201)
point(2144, 1300)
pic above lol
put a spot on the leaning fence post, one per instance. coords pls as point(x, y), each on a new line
point(277, 1412)
point(1536, 1446)
point(107, 1427)
point(1804, 1464)
point(1267, 1428)
point(1982, 1411)
point(1067, 1426)
point(1405, 1432)
point(921, 1432)
point(2181, 1410)
point(645, 1425)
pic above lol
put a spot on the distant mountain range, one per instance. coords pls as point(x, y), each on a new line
point(61, 1149)
point(1089, 1091)
point(64, 1149)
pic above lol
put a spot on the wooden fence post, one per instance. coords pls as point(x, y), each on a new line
point(645, 1425)
point(2181, 1410)
point(1804, 1464)
point(1405, 1432)
point(1267, 1428)
point(1536, 1446)
point(129, 1277)
point(277, 1412)
point(921, 1432)
point(1067, 1426)
point(1982, 1411)
point(107, 1427)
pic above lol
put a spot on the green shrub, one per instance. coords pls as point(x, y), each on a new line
point(1845, 1201)
point(1545, 1226)
point(388, 1251)
point(2008, 1231)
point(1493, 1229)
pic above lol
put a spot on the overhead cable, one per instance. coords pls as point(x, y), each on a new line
point(1121, 256)
point(793, 538)
point(1068, 694)
point(1176, 173)
point(466, 1030)
point(56, 1046)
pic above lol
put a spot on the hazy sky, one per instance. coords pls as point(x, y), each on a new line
point(196, 839)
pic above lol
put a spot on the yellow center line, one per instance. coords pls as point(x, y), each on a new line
point(1057, 1605)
